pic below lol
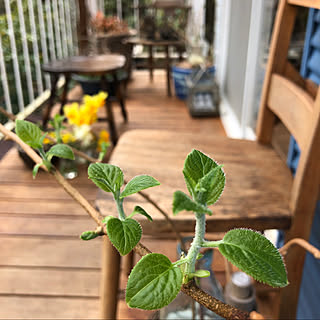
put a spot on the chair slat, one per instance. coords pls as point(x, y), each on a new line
point(306, 3)
point(293, 106)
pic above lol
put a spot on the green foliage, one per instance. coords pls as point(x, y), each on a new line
point(89, 235)
point(124, 235)
point(255, 255)
point(106, 176)
point(60, 151)
point(200, 274)
point(182, 202)
point(140, 210)
point(29, 133)
point(137, 184)
point(153, 283)
point(36, 169)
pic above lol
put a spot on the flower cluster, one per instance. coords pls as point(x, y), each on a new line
point(108, 24)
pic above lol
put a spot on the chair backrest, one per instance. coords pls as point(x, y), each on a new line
point(296, 102)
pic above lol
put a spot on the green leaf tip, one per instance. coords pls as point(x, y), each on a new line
point(88, 235)
point(138, 184)
point(153, 283)
point(255, 255)
point(204, 178)
point(106, 176)
point(60, 151)
point(29, 133)
point(140, 210)
point(124, 234)
point(181, 202)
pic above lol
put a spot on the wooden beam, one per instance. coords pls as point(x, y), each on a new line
point(306, 3)
point(82, 27)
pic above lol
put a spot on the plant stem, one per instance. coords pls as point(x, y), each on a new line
point(211, 244)
point(119, 203)
point(197, 242)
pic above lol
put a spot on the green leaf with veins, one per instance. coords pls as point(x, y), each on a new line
point(137, 184)
point(60, 151)
point(153, 283)
point(29, 133)
point(196, 166)
point(106, 176)
point(211, 186)
point(140, 210)
point(124, 234)
point(181, 202)
point(255, 255)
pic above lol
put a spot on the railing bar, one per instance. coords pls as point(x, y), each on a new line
point(136, 16)
point(50, 31)
point(63, 29)
point(102, 6)
point(68, 24)
point(14, 56)
point(74, 11)
point(4, 79)
point(57, 28)
point(35, 47)
point(119, 9)
point(43, 40)
point(25, 50)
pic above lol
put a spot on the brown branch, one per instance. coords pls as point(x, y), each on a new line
point(302, 243)
point(8, 114)
point(190, 289)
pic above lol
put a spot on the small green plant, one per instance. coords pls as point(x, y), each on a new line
point(30, 134)
point(155, 281)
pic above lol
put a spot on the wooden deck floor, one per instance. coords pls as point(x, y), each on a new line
point(46, 271)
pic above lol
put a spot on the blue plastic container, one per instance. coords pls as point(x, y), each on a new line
point(179, 76)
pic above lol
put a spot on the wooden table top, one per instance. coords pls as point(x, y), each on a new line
point(148, 42)
point(99, 64)
point(256, 194)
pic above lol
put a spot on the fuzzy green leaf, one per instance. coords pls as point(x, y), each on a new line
point(200, 274)
point(137, 184)
point(29, 133)
point(140, 210)
point(254, 254)
point(196, 166)
point(211, 185)
point(60, 151)
point(89, 235)
point(124, 235)
point(182, 202)
point(153, 283)
point(106, 176)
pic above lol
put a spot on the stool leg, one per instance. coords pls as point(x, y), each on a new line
point(110, 280)
point(128, 261)
point(65, 92)
point(151, 63)
point(109, 112)
point(168, 67)
point(47, 111)
point(120, 96)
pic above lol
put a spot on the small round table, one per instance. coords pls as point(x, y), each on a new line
point(99, 65)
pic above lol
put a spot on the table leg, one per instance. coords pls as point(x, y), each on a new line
point(151, 62)
point(47, 111)
point(65, 92)
point(109, 112)
point(110, 280)
point(120, 96)
point(128, 262)
point(168, 67)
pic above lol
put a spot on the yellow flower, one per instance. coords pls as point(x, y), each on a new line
point(68, 137)
point(103, 137)
point(71, 111)
point(51, 134)
point(95, 102)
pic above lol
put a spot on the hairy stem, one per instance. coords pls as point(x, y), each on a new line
point(197, 242)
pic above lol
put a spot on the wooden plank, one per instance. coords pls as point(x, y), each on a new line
point(44, 192)
point(49, 252)
point(306, 3)
point(49, 282)
point(293, 106)
point(24, 307)
point(45, 226)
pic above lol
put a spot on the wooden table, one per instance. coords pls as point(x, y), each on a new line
point(166, 44)
point(99, 65)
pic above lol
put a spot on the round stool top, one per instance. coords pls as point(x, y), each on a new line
point(94, 65)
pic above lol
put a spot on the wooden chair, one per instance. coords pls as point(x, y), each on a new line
point(260, 191)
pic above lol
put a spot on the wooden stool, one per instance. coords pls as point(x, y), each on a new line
point(100, 65)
